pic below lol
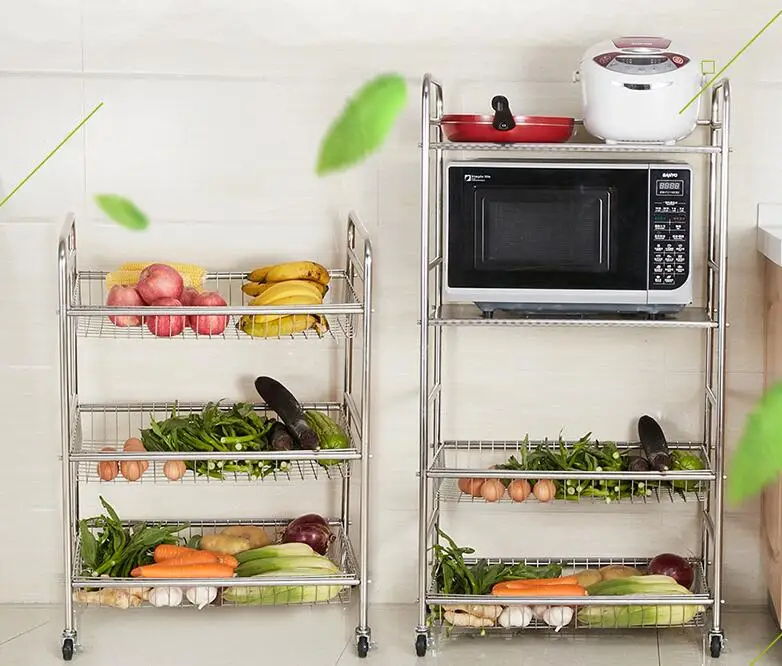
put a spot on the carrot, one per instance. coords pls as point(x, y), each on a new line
point(166, 570)
point(225, 558)
point(541, 591)
point(196, 557)
point(167, 551)
point(532, 582)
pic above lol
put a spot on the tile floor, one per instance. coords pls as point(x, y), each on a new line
point(29, 636)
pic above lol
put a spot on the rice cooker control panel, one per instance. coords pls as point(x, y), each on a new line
point(669, 228)
point(627, 63)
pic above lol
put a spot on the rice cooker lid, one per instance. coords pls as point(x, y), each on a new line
point(641, 56)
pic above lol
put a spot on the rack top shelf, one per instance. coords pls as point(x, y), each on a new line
point(575, 146)
point(470, 315)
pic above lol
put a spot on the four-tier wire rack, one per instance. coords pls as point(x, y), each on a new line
point(442, 461)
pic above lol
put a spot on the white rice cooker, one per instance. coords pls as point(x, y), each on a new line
point(633, 89)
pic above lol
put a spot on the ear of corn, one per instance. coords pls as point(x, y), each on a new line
point(619, 617)
point(128, 273)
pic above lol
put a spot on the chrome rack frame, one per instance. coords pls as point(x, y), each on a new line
point(82, 313)
point(435, 318)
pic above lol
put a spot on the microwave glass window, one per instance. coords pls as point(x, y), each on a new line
point(552, 230)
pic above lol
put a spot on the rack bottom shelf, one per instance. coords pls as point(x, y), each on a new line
point(284, 589)
point(451, 614)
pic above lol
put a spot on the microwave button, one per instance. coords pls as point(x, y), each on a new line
point(680, 258)
point(679, 226)
point(658, 279)
point(658, 269)
point(658, 258)
point(678, 237)
point(669, 279)
point(658, 247)
point(669, 248)
point(669, 268)
point(660, 236)
point(680, 247)
point(668, 258)
point(680, 269)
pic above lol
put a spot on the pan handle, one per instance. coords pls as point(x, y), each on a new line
point(503, 118)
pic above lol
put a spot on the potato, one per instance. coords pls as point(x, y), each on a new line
point(255, 535)
point(588, 577)
point(223, 543)
point(613, 571)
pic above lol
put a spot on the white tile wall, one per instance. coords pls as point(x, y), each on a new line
point(211, 120)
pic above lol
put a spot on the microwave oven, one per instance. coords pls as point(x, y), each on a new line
point(569, 236)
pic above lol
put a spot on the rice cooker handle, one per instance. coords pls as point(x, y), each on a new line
point(503, 118)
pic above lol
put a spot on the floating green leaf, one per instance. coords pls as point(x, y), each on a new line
point(364, 123)
point(122, 211)
point(758, 458)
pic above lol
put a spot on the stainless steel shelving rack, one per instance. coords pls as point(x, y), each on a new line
point(443, 462)
point(87, 428)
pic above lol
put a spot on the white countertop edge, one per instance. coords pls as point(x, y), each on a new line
point(770, 231)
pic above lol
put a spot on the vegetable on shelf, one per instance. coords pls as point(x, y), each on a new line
point(256, 536)
point(115, 597)
point(224, 543)
point(515, 616)
point(566, 590)
point(215, 429)
point(544, 490)
point(614, 571)
point(108, 469)
point(654, 445)
point(201, 596)
point(684, 461)
point(174, 469)
point(675, 566)
point(113, 549)
point(492, 490)
point(454, 576)
point(170, 570)
point(283, 402)
point(638, 616)
point(310, 529)
point(164, 597)
point(519, 490)
point(330, 433)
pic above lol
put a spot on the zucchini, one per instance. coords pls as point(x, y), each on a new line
point(329, 432)
point(654, 445)
point(283, 402)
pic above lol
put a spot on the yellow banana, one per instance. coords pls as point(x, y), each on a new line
point(291, 300)
point(256, 288)
point(296, 270)
point(279, 290)
point(276, 328)
point(258, 274)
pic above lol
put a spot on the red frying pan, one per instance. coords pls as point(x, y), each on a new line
point(504, 127)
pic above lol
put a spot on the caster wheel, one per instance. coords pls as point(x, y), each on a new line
point(715, 646)
point(67, 649)
point(420, 645)
point(362, 647)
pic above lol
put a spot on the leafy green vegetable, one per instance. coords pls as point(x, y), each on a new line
point(363, 124)
point(686, 461)
point(454, 576)
point(757, 460)
point(109, 547)
point(122, 211)
point(224, 430)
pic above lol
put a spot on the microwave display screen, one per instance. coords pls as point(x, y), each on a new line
point(554, 230)
point(673, 188)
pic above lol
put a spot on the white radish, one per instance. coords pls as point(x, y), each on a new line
point(165, 596)
point(558, 616)
point(515, 616)
point(201, 596)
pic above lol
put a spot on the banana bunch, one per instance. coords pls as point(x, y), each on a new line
point(292, 283)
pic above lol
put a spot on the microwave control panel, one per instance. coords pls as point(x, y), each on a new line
point(669, 227)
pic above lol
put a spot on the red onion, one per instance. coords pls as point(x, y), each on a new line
point(315, 535)
point(674, 566)
point(310, 518)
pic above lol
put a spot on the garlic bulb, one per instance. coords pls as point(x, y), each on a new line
point(201, 596)
point(515, 616)
point(537, 611)
point(165, 596)
point(558, 616)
